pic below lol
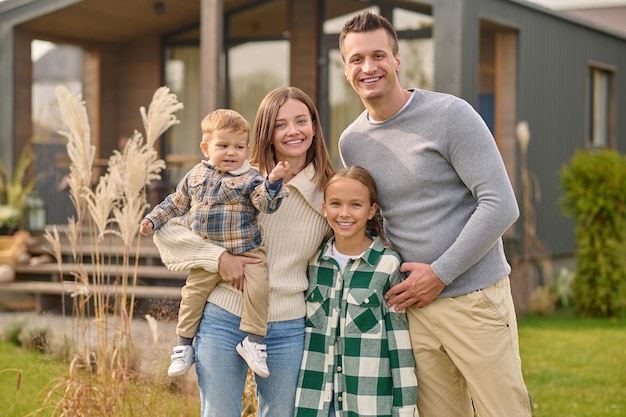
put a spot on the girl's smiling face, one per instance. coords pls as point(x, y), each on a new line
point(347, 208)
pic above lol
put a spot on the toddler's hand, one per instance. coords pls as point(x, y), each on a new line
point(145, 227)
point(280, 170)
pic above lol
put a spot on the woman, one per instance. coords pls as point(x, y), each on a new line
point(287, 128)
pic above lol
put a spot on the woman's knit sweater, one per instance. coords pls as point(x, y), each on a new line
point(291, 235)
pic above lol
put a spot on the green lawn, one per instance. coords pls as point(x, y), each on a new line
point(26, 377)
point(574, 367)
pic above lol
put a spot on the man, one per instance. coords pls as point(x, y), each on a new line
point(446, 200)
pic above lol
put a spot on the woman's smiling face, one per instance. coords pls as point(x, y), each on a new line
point(293, 130)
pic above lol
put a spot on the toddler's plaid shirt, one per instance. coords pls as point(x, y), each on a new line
point(223, 205)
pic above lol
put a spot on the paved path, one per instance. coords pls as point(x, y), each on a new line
point(154, 355)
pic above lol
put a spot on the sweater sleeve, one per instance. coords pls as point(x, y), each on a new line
point(182, 249)
point(473, 153)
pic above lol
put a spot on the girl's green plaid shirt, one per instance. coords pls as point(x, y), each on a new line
point(356, 348)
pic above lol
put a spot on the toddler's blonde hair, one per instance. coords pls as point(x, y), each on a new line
point(223, 119)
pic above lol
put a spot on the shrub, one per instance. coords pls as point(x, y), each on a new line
point(12, 332)
point(36, 338)
point(595, 197)
point(20, 333)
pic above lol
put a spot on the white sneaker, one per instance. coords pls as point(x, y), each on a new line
point(255, 356)
point(182, 359)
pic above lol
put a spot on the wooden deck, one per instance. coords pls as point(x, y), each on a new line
point(37, 285)
point(70, 287)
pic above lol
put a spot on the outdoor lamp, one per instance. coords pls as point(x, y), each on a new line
point(35, 213)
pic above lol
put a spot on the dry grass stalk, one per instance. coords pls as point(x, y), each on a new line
point(250, 404)
point(534, 265)
point(116, 206)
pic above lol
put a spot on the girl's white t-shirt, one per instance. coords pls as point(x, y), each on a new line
point(341, 258)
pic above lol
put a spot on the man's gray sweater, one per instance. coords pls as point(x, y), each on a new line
point(443, 190)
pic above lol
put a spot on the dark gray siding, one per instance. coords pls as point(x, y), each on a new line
point(554, 52)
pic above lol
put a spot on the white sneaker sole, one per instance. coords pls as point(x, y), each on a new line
point(242, 352)
point(179, 372)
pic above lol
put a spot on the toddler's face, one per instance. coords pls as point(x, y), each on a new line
point(226, 150)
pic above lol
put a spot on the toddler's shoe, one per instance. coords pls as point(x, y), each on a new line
point(182, 359)
point(255, 356)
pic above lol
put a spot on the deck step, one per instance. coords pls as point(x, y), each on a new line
point(43, 283)
point(70, 287)
point(68, 269)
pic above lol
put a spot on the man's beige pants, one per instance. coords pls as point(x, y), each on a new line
point(200, 283)
point(467, 352)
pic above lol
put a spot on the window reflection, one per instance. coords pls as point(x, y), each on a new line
point(416, 70)
point(182, 76)
point(254, 69)
point(53, 64)
point(599, 104)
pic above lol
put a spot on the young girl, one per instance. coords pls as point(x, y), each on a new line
point(357, 358)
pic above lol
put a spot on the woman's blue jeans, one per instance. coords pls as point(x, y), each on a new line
point(222, 372)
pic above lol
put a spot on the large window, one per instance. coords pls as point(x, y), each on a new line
point(257, 61)
point(601, 107)
point(53, 64)
point(252, 75)
point(257, 39)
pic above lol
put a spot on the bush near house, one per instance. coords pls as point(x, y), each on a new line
point(595, 197)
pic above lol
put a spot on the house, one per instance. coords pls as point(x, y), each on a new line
point(514, 60)
point(607, 14)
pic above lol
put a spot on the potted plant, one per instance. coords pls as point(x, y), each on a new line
point(14, 192)
point(9, 219)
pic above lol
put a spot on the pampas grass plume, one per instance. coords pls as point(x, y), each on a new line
point(79, 148)
point(154, 328)
point(52, 237)
point(160, 115)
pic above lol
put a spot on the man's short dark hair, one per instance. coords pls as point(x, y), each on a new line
point(367, 21)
